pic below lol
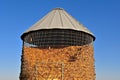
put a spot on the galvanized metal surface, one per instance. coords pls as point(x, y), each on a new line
point(58, 18)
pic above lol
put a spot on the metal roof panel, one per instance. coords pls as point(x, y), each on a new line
point(58, 18)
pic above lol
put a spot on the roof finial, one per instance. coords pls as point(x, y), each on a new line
point(58, 8)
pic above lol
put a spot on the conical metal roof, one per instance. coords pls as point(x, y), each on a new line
point(58, 18)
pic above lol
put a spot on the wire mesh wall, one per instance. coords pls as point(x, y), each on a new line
point(56, 38)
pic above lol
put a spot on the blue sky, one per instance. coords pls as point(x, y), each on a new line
point(102, 17)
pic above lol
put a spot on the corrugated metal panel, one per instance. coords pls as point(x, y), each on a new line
point(58, 18)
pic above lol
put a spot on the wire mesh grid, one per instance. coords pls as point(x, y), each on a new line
point(57, 38)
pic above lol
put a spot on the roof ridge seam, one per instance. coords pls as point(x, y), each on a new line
point(69, 19)
point(40, 21)
point(61, 18)
point(52, 18)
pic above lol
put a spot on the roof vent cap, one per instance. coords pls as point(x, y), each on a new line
point(58, 8)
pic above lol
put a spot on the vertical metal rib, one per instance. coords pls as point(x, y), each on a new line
point(61, 18)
